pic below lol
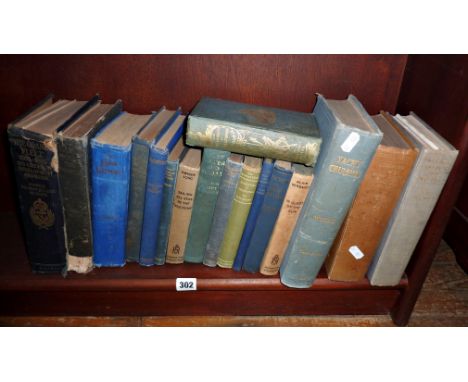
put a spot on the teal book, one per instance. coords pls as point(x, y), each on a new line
point(211, 172)
point(350, 138)
point(254, 130)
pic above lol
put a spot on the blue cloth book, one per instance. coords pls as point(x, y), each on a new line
point(267, 169)
point(269, 211)
point(110, 180)
point(350, 138)
point(157, 164)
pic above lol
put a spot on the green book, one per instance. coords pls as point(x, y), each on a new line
point(240, 210)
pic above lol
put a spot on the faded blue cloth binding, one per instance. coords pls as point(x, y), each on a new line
point(269, 211)
point(344, 157)
point(267, 169)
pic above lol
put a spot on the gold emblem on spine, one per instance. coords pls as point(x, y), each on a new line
point(41, 214)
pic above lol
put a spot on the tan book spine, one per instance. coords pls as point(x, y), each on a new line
point(292, 205)
point(186, 185)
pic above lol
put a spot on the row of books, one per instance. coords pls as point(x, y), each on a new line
point(271, 190)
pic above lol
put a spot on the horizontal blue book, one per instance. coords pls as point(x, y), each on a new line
point(269, 211)
point(267, 169)
point(350, 138)
point(170, 179)
point(157, 164)
point(110, 181)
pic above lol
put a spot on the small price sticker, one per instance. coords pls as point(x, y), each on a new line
point(186, 284)
point(356, 252)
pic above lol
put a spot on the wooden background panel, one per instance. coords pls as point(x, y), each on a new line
point(146, 82)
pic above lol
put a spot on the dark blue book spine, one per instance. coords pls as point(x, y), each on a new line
point(110, 175)
point(267, 169)
point(277, 187)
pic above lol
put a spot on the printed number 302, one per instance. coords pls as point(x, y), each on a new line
point(184, 284)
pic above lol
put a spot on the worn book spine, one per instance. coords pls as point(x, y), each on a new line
point(362, 230)
point(276, 190)
point(239, 212)
point(186, 186)
point(211, 172)
point(110, 175)
point(267, 169)
point(287, 218)
point(227, 189)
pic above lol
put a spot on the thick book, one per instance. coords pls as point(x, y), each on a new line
point(33, 150)
point(418, 199)
point(211, 172)
point(75, 182)
point(254, 130)
point(227, 189)
point(265, 174)
point(186, 185)
point(293, 201)
point(269, 211)
point(170, 178)
point(350, 138)
point(239, 211)
point(362, 230)
point(110, 174)
point(141, 144)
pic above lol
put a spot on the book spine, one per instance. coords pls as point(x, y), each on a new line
point(36, 171)
point(240, 210)
point(157, 165)
point(110, 175)
point(227, 189)
point(252, 141)
point(186, 185)
point(211, 172)
point(269, 212)
point(287, 218)
point(139, 164)
point(267, 169)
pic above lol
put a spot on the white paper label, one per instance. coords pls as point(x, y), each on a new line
point(356, 252)
point(350, 142)
point(186, 284)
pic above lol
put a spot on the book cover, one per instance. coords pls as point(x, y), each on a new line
point(416, 202)
point(293, 201)
point(211, 172)
point(350, 138)
point(362, 230)
point(239, 211)
point(227, 189)
point(254, 130)
point(269, 211)
point(267, 169)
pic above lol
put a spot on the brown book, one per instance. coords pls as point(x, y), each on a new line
point(364, 226)
point(184, 194)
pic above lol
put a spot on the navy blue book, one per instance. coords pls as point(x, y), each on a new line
point(157, 164)
point(277, 187)
point(110, 180)
point(267, 169)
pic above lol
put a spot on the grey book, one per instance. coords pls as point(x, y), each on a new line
point(423, 187)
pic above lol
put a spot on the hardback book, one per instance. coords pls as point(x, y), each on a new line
point(211, 172)
point(254, 130)
point(239, 211)
point(227, 189)
point(34, 155)
point(265, 174)
point(362, 230)
point(269, 211)
point(292, 204)
point(110, 174)
point(418, 199)
point(141, 144)
point(75, 182)
point(170, 178)
point(350, 138)
point(184, 195)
